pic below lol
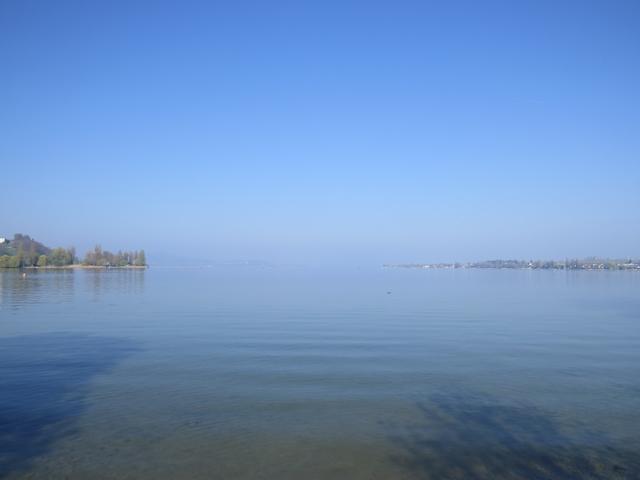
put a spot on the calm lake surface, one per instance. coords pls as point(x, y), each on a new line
point(247, 373)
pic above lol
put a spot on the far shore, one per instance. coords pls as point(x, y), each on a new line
point(86, 267)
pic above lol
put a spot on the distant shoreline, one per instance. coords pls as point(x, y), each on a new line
point(24, 252)
point(597, 264)
point(80, 266)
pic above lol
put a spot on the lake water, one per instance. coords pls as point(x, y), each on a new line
point(248, 373)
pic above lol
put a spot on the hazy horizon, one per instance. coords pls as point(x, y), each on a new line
point(299, 133)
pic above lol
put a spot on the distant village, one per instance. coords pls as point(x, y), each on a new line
point(591, 263)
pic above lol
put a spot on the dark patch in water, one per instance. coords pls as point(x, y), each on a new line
point(474, 438)
point(44, 380)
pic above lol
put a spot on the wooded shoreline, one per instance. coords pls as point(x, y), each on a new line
point(79, 266)
point(25, 252)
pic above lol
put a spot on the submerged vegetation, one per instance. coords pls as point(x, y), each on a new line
point(25, 252)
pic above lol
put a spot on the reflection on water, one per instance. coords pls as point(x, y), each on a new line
point(43, 384)
point(115, 281)
point(479, 438)
point(18, 289)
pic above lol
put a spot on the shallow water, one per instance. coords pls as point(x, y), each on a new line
point(290, 373)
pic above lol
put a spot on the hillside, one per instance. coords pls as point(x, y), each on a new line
point(24, 243)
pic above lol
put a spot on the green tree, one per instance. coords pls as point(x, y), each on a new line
point(42, 261)
point(32, 259)
point(18, 260)
point(59, 257)
point(141, 259)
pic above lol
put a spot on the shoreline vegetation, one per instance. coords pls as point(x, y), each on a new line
point(74, 266)
point(590, 263)
point(23, 252)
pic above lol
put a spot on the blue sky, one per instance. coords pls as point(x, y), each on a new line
point(312, 132)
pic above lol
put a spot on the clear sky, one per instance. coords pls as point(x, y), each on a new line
point(313, 132)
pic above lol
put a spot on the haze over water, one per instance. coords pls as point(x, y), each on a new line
point(261, 373)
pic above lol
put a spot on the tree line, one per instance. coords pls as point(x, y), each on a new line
point(104, 258)
point(23, 251)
